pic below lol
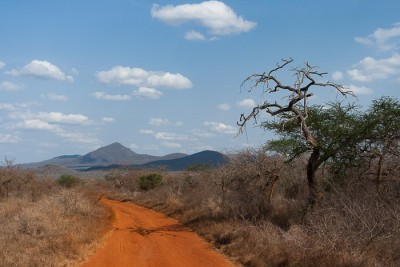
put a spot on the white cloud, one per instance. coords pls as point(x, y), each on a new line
point(247, 103)
point(360, 90)
point(216, 16)
point(165, 136)
point(171, 144)
point(145, 131)
point(10, 86)
point(37, 124)
point(146, 92)
point(194, 36)
point(41, 69)
point(224, 107)
point(170, 136)
point(337, 75)
point(158, 122)
point(108, 119)
point(79, 138)
point(56, 97)
point(141, 77)
point(383, 39)
point(104, 96)
point(220, 127)
point(17, 106)
point(370, 69)
point(2, 64)
point(9, 139)
point(51, 117)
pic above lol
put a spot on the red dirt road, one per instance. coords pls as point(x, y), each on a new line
point(144, 238)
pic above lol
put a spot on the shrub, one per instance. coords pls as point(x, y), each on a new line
point(198, 167)
point(68, 180)
point(150, 181)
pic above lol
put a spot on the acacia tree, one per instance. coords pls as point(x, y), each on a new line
point(382, 140)
point(294, 109)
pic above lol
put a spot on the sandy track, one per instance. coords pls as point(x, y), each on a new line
point(143, 237)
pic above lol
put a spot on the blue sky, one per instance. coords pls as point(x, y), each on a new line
point(163, 77)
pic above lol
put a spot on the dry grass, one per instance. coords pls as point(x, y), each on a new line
point(43, 224)
point(254, 211)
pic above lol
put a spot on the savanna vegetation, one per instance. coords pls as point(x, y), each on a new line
point(48, 221)
point(325, 192)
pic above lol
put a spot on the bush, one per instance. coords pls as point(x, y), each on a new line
point(68, 180)
point(150, 181)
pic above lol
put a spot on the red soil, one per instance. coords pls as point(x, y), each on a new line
point(143, 237)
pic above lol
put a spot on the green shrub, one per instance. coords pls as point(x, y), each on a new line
point(68, 180)
point(198, 167)
point(150, 181)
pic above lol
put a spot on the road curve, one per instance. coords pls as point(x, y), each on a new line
point(144, 238)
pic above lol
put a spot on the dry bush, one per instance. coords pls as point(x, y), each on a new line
point(254, 209)
point(53, 231)
point(42, 224)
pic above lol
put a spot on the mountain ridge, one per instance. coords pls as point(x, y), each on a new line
point(116, 155)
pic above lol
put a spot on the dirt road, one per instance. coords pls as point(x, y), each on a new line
point(142, 237)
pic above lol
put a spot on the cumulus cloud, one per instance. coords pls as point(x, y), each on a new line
point(81, 138)
point(51, 117)
point(370, 69)
point(337, 75)
point(108, 119)
point(141, 77)
point(383, 39)
point(10, 86)
point(37, 124)
point(55, 97)
point(217, 17)
point(17, 106)
point(104, 96)
point(171, 144)
point(194, 36)
point(158, 122)
point(247, 103)
point(220, 127)
point(2, 64)
point(9, 139)
point(224, 107)
point(360, 90)
point(42, 70)
point(146, 92)
point(165, 136)
point(170, 136)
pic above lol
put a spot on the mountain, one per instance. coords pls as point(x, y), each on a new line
point(116, 155)
point(209, 158)
point(113, 154)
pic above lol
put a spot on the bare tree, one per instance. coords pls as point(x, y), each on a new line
point(294, 107)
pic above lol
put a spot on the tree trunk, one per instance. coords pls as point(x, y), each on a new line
point(312, 167)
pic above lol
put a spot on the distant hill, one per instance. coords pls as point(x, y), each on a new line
point(113, 154)
point(116, 155)
point(209, 158)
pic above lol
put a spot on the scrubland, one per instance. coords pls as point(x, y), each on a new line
point(255, 210)
point(43, 223)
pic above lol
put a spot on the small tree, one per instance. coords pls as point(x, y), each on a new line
point(294, 109)
point(68, 180)
point(150, 181)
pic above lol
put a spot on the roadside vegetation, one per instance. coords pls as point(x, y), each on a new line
point(48, 222)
